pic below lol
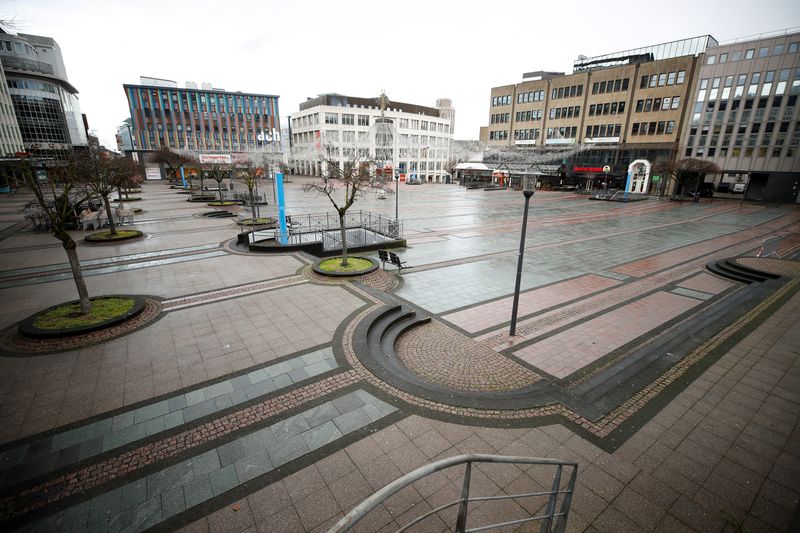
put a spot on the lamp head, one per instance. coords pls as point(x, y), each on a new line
point(529, 184)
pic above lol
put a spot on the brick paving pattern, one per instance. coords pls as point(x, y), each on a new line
point(244, 404)
point(564, 353)
point(459, 363)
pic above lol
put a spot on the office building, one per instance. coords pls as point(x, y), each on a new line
point(411, 140)
point(744, 117)
point(204, 120)
point(45, 102)
point(612, 110)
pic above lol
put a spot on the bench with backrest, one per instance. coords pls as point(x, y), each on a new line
point(391, 257)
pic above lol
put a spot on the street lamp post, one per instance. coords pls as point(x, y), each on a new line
point(528, 188)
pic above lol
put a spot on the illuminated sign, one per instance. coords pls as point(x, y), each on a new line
point(587, 169)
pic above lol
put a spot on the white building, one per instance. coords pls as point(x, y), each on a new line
point(413, 141)
point(10, 138)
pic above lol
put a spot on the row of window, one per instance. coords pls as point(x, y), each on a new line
point(609, 108)
point(658, 104)
point(711, 86)
point(567, 92)
point(500, 118)
point(662, 79)
point(501, 135)
point(603, 130)
point(610, 86)
point(750, 53)
point(565, 112)
point(501, 100)
point(653, 128)
point(526, 135)
point(527, 116)
point(20, 48)
point(748, 152)
point(32, 85)
point(203, 102)
point(566, 132)
point(530, 96)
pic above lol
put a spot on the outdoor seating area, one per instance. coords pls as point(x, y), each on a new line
point(98, 219)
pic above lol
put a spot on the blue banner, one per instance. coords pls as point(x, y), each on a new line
point(183, 179)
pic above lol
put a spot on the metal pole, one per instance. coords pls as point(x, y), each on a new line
point(515, 307)
point(397, 199)
point(461, 521)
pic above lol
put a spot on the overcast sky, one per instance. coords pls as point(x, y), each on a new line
point(417, 51)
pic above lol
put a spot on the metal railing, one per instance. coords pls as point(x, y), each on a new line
point(551, 521)
point(324, 227)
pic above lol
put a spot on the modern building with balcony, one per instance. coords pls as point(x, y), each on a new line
point(408, 140)
point(45, 102)
point(744, 118)
point(201, 120)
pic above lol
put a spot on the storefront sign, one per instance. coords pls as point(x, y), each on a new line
point(587, 169)
point(152, 173)
point(215, 158)
point(601, 140)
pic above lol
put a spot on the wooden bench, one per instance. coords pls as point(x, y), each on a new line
point(391, 257)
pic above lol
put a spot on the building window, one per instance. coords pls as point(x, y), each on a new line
point(763, 51)
point(750, 53)
point(363, 120)
point(681, 77)
point(793, 47)
point(723, 58)
point(331, 118)
point(347, 119)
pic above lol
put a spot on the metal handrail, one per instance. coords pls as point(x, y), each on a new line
point(551, 521)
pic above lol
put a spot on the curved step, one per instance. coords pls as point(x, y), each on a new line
point(750, 270)
point(724, 268)
point(715, 269)
point(728, 265)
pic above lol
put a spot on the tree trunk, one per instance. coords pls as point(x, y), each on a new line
point(111, 224)
point(343, 231)
point(253, 205)
point(119, 196)
point(77, 275)
point(219, 190)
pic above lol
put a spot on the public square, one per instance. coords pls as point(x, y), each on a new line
point(245, 398)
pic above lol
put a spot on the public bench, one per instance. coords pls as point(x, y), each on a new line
point(391, 257)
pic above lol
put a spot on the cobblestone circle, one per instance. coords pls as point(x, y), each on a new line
point(378, 279)
point(11, 342)
point(781, 267)
point(443, 356)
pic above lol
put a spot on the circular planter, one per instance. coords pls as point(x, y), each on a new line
point(26, 327)
point(131, 199)
point(336, 274)
point(122, 235)
point(225, 203)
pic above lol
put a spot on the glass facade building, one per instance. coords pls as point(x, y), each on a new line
point(45, 103)
point(684, 47)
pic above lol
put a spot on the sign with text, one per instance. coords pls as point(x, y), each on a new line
point(215, 158)
point(152, 173)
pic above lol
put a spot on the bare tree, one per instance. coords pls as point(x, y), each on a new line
point(249, 173)
point(216, 172)
point(57, 192)
point(354, 175)
point(172, 161)
point(100, 172)
point(684, 172)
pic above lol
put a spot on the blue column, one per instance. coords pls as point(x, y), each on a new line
point(628, 183)
point(183, 179)
point(284, 232)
